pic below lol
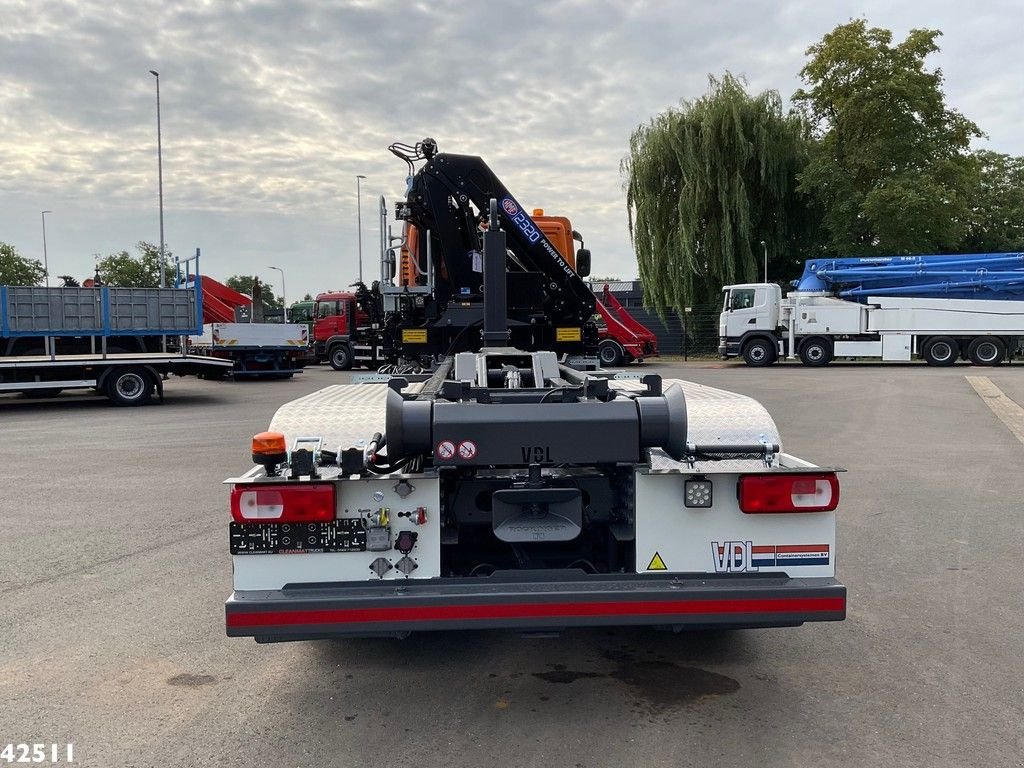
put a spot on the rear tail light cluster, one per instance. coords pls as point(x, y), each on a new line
point(775, 493)
point(283, 503)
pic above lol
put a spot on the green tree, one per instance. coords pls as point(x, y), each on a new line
point(69, 281)
point(891, 168)
point(996, 218)
point(706, 183)
point(16, 269)
point(244, 284)
point(142, 271)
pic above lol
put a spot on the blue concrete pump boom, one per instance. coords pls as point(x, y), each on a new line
point(959, 276)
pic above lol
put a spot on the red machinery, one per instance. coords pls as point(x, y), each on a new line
point(623, 337)
point(220, 301)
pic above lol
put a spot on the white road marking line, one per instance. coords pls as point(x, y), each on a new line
point(1007, 411)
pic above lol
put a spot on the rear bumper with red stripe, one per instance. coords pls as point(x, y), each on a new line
point(544, 601)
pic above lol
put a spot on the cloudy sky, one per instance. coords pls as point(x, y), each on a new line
point(271, 108)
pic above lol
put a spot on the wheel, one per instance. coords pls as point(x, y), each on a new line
point(610, 352)
point(759, 352)
point(129, 386)
point(986, 350)
point(816, 352)
point(340, 357)
point(941, 350)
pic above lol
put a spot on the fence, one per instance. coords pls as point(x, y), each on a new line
point(692, 333)
point(700, 323)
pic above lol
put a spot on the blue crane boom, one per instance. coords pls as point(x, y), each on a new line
point(960, 276)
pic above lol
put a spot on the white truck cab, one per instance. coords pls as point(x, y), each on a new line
point(750, 311)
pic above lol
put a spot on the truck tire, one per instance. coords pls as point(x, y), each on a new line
point(986, 350)
point(610, 352)
point(816, 352)
point(340, 357)
point(941, 351)
point(758, 353)
point(129, 386)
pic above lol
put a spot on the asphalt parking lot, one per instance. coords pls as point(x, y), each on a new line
point(114, 568)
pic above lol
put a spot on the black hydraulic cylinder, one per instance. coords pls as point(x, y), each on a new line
point(495, 283)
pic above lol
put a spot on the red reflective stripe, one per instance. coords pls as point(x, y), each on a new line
point(537, 610)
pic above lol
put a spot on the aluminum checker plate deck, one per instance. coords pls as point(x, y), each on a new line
point(344, 414)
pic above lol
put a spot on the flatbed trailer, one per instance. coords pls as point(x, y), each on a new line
point(121, 342)
point(126, 378)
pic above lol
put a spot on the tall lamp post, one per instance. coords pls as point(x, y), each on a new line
point(359, 220)
point(284, 301)
point(765, 246)
point(46, 263)
point(160, 175)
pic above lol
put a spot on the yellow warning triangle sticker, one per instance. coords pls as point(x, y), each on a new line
point(657, 564)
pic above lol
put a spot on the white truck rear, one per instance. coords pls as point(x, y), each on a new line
point(257, 349)
point(526, 531)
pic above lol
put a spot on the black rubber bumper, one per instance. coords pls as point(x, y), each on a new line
point(390, 607)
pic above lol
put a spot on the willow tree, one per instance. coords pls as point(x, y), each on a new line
point(705, 184)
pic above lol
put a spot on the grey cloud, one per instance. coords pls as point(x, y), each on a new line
point(271, 108)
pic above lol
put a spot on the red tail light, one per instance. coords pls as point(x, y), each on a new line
point(283, 503)
point(773, 493)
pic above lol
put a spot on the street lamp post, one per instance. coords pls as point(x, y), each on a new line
point(284, 300)
point(359, 221)
point(46, 263)
point(160, 175)
point(765, 246)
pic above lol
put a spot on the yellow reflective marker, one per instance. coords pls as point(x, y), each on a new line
point(657, 564)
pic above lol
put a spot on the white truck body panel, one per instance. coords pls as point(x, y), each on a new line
point(897, 346)
point(825, 315)
point(723, 539)
point(720, 539)
point(241, 335)
point(815, 314)
point(356, 500)
point(952, 316)
point(858, 349)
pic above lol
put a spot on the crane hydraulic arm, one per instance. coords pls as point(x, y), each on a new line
point(447, 205)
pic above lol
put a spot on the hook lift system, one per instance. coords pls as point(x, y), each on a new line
point(506, 489)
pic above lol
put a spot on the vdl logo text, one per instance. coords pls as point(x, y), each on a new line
point(733, 556)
